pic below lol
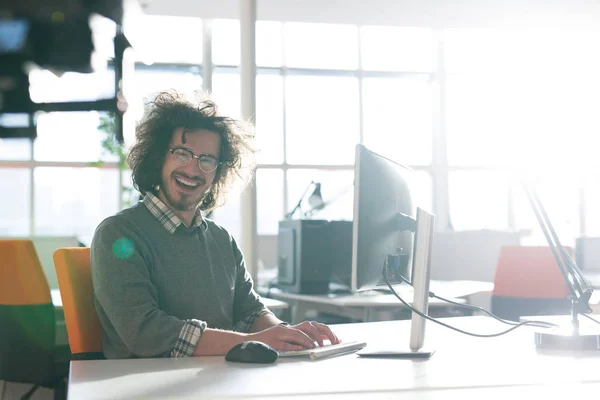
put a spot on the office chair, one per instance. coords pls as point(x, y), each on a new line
point(75, 283)
point(28, 350)
point(528, 282)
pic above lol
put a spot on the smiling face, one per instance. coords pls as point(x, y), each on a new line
point(182, 187)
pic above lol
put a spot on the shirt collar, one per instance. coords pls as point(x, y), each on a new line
point(166, 217)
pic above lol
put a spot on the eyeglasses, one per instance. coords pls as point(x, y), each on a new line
point(206, 162)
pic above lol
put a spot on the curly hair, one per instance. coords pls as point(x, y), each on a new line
point(170, 110)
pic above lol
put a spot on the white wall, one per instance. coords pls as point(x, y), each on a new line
point(434, 13)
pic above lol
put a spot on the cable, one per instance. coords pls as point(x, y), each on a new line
point(541, 324)
point(593, 319)
point(427, 317)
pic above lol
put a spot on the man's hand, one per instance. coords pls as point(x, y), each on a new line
point(317, 332)
point(284, 338)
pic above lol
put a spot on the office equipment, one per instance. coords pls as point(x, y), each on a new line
point(459, 370)
point(341, 258)
point(305, 256)
point(28, 348)
point(252, 352)
point(328, 350)
point(77, 294)
point(569, 337)
point(382, 217)
point(528, 282)
point(421, 269)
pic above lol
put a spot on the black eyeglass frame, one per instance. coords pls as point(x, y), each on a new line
point(199, 157)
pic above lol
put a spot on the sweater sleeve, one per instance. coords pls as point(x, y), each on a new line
point(127, 299)
point(247, 305)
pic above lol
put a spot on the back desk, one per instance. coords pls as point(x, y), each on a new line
point(463, 367)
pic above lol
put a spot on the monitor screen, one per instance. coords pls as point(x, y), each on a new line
point(381, 191)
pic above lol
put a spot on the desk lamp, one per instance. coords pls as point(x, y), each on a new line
point(572, 336)
point(315, 199)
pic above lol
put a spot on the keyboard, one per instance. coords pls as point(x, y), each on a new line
point(325, 351)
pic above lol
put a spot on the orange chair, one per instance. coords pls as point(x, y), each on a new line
point(528, 281)
point(28, 349)
point(75, 283)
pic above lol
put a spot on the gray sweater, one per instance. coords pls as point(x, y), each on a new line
point(150, 283)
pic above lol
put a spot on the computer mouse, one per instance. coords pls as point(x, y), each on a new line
point(252, 352)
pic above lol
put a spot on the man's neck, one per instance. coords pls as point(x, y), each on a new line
point(187, 217)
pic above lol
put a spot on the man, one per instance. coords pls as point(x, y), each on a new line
point(168, 282)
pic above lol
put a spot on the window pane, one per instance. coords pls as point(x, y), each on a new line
point(226, 93)
point(387, 48)
point(227, 48)
point(269, 43)
point(520, 49)
point(226, 42)
point(15, 149)
point(72, 136)
point(73, 201)
point(71, 86)
point(14, 207)
point(478, 200)
point(397, 118)
point(321, 119)
point(269, 192)
point(229, 217)
point(309, 45)
point(489, 119)
point(559, 195)
point(269, 110)
point(480, 121)
point(337, 190)
point(269, 119)
point(170, 39)
point(422, 190)
point(150, 81)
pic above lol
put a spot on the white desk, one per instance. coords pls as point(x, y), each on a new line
point(376, 306)
point(463, 367)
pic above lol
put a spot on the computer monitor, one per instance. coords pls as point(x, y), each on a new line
point(381, 197)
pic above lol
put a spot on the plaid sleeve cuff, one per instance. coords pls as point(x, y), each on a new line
point(244, 325)
point(188, 337)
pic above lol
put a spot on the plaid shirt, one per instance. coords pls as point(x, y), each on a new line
point(192, 329)
point(166, 217)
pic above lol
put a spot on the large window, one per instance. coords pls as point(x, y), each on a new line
point(475, 111)
point(521, 105)
point(321, 89)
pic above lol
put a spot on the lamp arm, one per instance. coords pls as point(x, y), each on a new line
point(291, 213)
point(578, 286)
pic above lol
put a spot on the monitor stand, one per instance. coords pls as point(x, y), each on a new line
point(421, 268)
point(424, 352)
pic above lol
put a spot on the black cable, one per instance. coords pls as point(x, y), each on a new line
point(30, 392)
point(4, 385)
point(589, 317)
point(427, 317)
point(541, 324)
